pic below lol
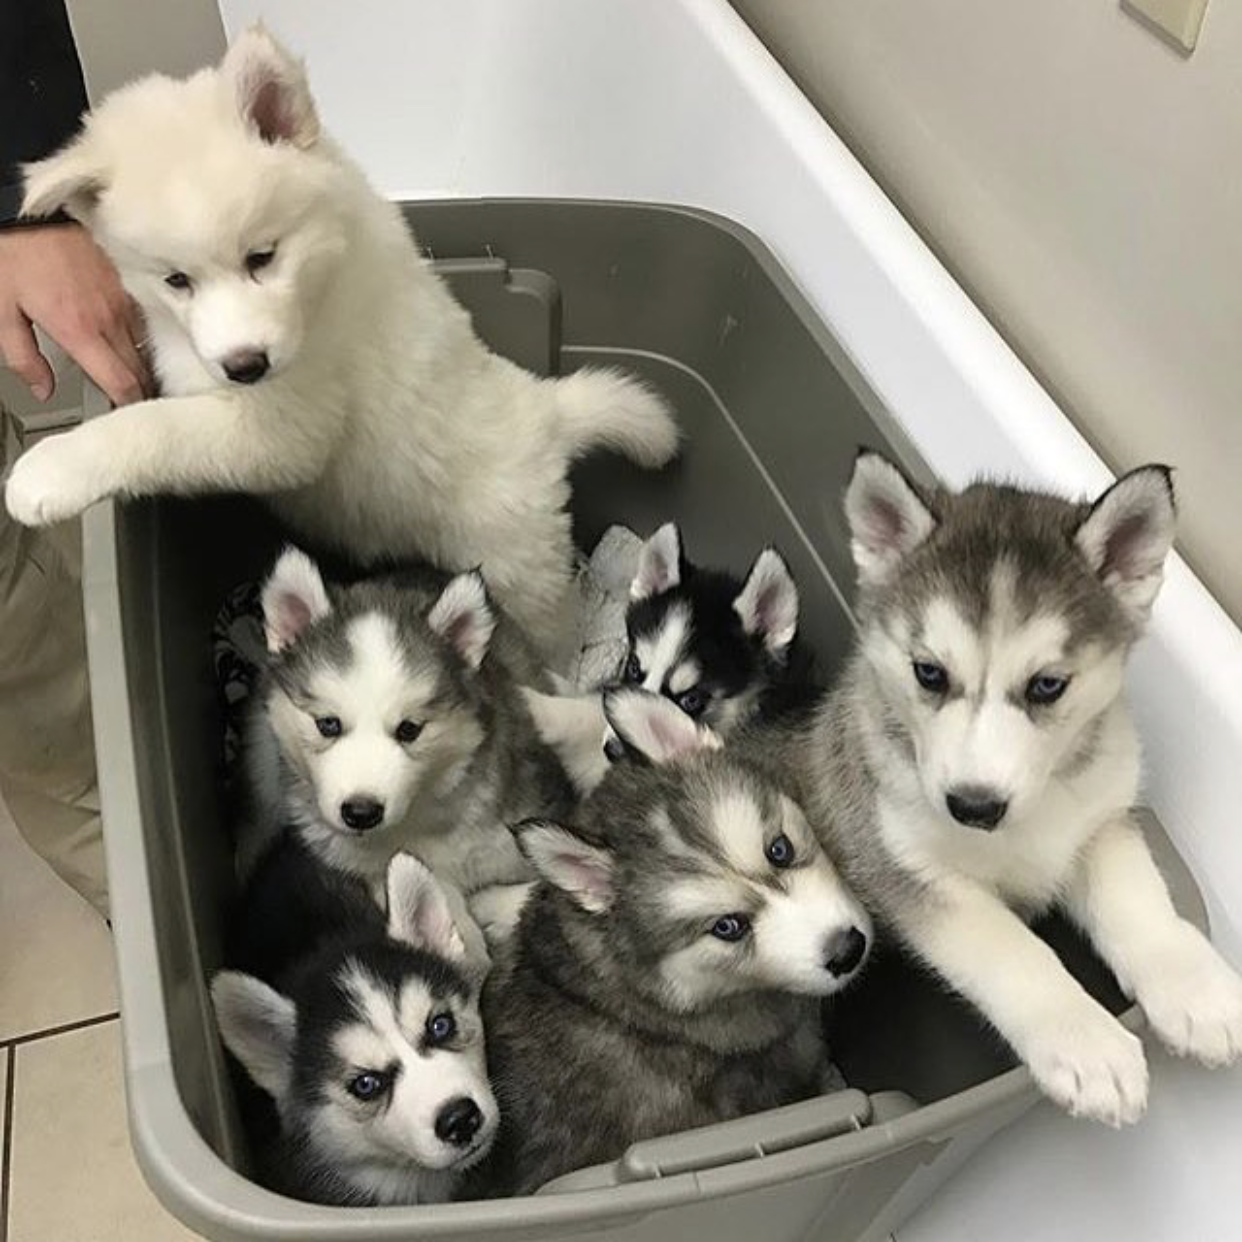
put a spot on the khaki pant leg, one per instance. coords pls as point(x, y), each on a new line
point(47, 751)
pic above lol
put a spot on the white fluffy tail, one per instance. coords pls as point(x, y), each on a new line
point(608, 409)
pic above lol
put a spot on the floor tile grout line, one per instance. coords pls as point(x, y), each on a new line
point(67, 1028)
point(10, 1055)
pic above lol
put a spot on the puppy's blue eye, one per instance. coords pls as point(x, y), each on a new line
point(731, 927)
point(780, 851)
point(369, 1085)
point(257, 260)
point(633, 669)
point(1045, 689)
point(328, 726)
point(441, 1027)
point(179, 281)
point(408, 731)
point(693, 702)
point(933, 677)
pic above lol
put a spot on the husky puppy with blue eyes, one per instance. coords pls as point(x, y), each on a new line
point(362, 1034)
point(390, 718)
point(668, 969)
point(978, 764)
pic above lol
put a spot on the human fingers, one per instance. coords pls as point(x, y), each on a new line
point(21, 354)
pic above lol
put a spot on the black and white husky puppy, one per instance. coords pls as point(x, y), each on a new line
point(390, 719)
point(723, 648)
point(364, 1032)
point(667, 970)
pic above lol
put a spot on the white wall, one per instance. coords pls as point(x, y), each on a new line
point(1081, 178)
point(120, 39)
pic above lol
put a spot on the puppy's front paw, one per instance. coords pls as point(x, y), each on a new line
point(1193, 1000)
point(1091, 1065)
point(51, 481)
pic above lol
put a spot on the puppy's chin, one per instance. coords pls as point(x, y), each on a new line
point(456, 1160)
point(472, 1155)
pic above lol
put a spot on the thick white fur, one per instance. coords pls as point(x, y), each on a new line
point(1068, 837)
point(575, 727)
point(384, 427)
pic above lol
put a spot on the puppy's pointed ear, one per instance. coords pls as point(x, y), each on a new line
point(768, 603)
point(660, 566)
point(272, 92)
point(582, 869)
point(1128, 534)
point(653, 728)
point(294, 597)
point(887, 517)
point(418, 909)
point(463, 617)
point(71, 180)
point(258, 1026)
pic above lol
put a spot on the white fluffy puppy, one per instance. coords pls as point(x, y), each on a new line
point(306, 350)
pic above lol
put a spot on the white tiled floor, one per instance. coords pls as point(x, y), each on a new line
point(67, 1171)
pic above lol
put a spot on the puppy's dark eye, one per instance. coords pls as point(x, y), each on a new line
point(441, 1027)
point(731, 927)
point(328, 726)
point(633, 670)
point(693, 701)
point(1045, 688)
point(257, 260)
point(932, 677)
point(780, 851)
point(179, 281)
point(408, 731)
point(369, 1085)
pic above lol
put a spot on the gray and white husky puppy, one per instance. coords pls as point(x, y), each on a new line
point(389, 719)
point(363, 1031)
point(978, 764)
point(668, 969)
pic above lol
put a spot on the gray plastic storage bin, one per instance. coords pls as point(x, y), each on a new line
point(773, 413)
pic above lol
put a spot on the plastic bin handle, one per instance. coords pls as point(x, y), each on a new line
point(747, 1138)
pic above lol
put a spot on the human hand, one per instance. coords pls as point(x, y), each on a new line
point(55, 276)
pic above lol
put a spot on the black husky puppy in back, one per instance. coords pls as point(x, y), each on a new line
point(723, 648)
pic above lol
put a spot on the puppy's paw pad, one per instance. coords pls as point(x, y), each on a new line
point(1093, 1068)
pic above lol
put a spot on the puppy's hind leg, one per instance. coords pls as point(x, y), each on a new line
point(533, 582)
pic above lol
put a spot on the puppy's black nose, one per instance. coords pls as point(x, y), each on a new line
point(976, 807)
point(246, 366)
point(458, 1121)
point(845, 952)
point(361, 813)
